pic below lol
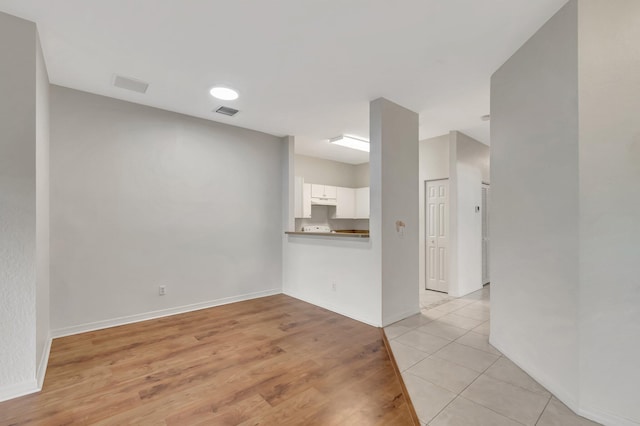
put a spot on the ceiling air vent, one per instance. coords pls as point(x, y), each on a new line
point(130, 84)
point(227, 111)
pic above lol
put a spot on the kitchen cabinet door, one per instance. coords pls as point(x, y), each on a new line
point(317, 191)
point(302, 198)
point(297, 197)
point(323, 191)
point(362, 203)
point(306, 200)
point(331, 191)
point(345, 203)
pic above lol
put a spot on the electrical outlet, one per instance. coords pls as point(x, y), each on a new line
point(162, 290)
point(334, 286)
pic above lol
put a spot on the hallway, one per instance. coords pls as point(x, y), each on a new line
point(456, 378)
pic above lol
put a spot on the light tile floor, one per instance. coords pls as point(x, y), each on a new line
point(456, 378)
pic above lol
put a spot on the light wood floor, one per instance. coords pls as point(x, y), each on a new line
point(269, 361)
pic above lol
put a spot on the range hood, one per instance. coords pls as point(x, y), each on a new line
point(322, 201)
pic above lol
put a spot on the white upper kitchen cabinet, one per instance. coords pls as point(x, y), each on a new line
point(323, 191)
point(306, 200)
point(362, 203)
point(297, 197)
point(345, 203)
point(302, 198)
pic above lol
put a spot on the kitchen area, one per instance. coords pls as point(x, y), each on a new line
point(331, 198)
point(329, 257)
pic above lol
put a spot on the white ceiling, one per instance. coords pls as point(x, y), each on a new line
point(302, 67)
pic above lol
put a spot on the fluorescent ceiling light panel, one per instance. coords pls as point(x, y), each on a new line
point(224, 93)
point(130, 84)
point(351, 142)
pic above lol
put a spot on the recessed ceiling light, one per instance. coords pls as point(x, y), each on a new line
point(351, 142)
point(223, 93)
point(485, 117)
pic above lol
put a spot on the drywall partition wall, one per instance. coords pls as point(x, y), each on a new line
point(43, 338)
point(609, 155)
point(474, 154)
point(433, 160)
point(17, 206)
point(142, 198)
point(339, 274)
point(394, 152)
point(327, 172)
point(565, 191)
point(534, 196)
point(287, 164)
point(362, 175)
point(469, 167)
point(23, 208)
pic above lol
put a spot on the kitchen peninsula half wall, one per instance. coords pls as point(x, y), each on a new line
point(331, 197)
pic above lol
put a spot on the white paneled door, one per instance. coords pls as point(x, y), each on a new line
point(437, 238)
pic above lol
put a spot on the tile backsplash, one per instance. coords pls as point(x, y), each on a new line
point(320, 215)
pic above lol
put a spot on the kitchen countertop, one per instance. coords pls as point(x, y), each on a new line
point(338, 234)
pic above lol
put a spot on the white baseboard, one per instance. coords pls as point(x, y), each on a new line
point(400, 316)
point(42, 365)
point(30, 386)
point(566, 398)
point(332, 308)
point(18, 389)
point(539, 376)
point(607, 418)
point(99, 325)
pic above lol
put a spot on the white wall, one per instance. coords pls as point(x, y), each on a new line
point(362, 175)
point(534, 196)
point(394, 151)
point(24, 279)
point(565, 208)
point(313, 263)
point(143, 197)
point(43, 338)
point(609, 155)
point(469, 168)
point(287, 164)
point(17, 204)
point(328, 172)
point(433, 160)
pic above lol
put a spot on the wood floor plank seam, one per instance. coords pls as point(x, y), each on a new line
point(274, 360)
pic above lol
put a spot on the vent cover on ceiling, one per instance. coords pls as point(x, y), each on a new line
point(227, 111)
point(130, 84)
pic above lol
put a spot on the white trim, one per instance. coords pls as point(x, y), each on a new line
point(98, 325)
point(18, 389)
point(563, 396)
point(332, 309)
point(401, 316)
point(539, 376)
point(606, 418)
point(44, 361)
